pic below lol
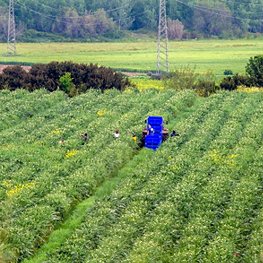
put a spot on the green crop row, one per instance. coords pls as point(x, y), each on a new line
point(173, 204)
point(197, 199)
point(33, 205)
point(137, 179)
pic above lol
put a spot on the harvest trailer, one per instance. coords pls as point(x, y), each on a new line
point(154, 133)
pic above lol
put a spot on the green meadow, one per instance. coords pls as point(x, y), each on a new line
point(213, 55)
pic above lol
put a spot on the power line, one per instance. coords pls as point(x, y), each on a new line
point(72, 17)
point(64, 19)
point(215, 11)
point(107, 11)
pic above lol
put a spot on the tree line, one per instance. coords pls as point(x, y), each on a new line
point(88, 19)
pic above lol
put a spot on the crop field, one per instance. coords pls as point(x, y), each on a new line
point(214, 55)
point(199, 198)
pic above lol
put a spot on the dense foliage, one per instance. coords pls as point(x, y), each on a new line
point(67, 76)
point(197, 199)
point(187, 78)
point(253, 77)
point(85, 19)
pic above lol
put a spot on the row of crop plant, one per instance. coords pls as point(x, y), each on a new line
point(34, 204)
point(213, 200)
point(142, 213)
point(169, 206)
point(139, 177)
point(43, 183)
point(22, 106)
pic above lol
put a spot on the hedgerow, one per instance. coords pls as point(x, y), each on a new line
point(48, 76)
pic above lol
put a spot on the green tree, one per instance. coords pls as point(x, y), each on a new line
point(66, 83)
point(254, 70)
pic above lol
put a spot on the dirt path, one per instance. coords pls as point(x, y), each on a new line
point(2, 67)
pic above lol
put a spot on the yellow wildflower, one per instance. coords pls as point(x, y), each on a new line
point(56, 132)
point(19, 188)
point(215, 156)
point(71, 153)
point(249, 89)
point(101, 113)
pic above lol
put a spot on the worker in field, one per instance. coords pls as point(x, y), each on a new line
point(142, 140)
point(61, 142)
point(116, 134)
point(165, 134)
point(85, 138)
point(174, 133)
point(134, 137)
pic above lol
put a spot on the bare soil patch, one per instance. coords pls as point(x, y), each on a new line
point(2, 67)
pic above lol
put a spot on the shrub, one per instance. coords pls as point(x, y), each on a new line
point(187, 78)
point(254, 70)
point(181, 79)
point(70, 77)
point(228, 84)
point(231, 83)
point(205, 87)
point(13, 78)
point(228, 72)
point(66, 82)
point(206, 84)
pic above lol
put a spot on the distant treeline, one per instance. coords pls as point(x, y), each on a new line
point(89, 19)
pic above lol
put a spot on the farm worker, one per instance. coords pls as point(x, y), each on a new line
point(116, 134)
point(85, 138)
point(142, 140)
point(174, 133)
point(61, 142)
point(165, 134)
point(134, 138)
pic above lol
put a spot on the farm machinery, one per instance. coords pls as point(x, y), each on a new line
point(154, 133)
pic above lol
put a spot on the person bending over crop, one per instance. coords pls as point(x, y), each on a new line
point(134, 137)
point(174, 133)
point(116, 134)
point(61, 141)
point(85, 138)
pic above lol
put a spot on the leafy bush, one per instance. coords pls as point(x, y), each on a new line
point(70, 77)
point(187, 78)
point(13, 77)
point(181, 79)
point(231, 83)
point(228, 72)
point(228, 84)
point(254, 70)
point(66, 84)
point(206, 84)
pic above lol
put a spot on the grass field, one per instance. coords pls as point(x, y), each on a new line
point(215, 55)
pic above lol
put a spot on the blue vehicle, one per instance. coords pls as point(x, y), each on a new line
point(154, 133)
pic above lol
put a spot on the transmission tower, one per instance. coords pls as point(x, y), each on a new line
point(162, 47)
point(11, 38)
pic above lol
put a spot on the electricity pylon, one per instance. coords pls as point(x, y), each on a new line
point(162, 47)
point(11, 38)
